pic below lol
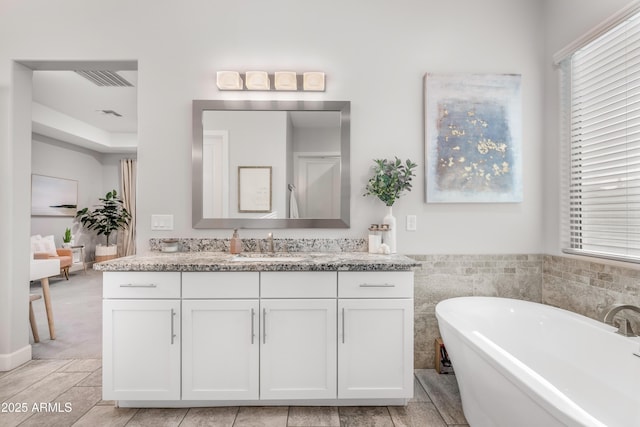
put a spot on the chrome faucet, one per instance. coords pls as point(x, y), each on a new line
point(624, 327)
point(270, 240)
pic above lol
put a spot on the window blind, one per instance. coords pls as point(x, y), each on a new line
point(603, 107)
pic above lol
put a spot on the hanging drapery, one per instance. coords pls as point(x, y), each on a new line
point(127, 237)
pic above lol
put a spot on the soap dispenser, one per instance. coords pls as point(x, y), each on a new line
point(236, 243)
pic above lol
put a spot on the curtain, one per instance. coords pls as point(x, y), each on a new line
point(127, 237)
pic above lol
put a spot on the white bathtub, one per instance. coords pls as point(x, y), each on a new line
point(522, 364)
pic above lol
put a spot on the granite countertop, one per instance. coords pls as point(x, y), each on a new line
point(290, 261)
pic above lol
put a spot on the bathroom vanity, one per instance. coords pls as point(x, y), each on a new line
point(213, 329)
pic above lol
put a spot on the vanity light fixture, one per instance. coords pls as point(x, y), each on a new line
point(313, 81)
point(261, 80)
point(285, 80)
point(257, 80)
point(229, 80)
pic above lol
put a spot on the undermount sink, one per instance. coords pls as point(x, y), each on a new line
point(266, 258)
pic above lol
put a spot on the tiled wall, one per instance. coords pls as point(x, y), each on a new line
point(583, 287)
point(588, 287)
point(446, 276)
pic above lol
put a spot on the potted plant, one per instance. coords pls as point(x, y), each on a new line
point(391, 178)
point(108, 216)
point(67, 239)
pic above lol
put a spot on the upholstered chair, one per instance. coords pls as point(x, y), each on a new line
point(44, 248)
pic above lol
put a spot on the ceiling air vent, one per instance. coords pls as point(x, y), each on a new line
point(104, 78)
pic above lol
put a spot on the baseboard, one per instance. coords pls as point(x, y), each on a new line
point(13, 360)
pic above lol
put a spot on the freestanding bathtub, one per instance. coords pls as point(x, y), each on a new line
point(521, 364)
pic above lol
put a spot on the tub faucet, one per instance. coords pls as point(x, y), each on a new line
point(624, 327)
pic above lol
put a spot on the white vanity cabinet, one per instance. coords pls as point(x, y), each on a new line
point(298, 335)
point(258, 337)
point(375, 349)
point(141, 336)
point(220, 344)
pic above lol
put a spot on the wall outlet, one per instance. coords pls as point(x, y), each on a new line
point(162, 222)
point(411, 222)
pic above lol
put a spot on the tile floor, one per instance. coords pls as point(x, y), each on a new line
point(62, 392)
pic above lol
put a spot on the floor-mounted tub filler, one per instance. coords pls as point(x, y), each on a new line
point(520, 363)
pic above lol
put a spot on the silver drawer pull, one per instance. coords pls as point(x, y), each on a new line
point(264, 326)
point(173, 333)
point(376, 285)
point(253, 320)
point(132, 285)
point(342, 325)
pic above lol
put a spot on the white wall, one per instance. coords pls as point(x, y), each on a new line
point(566, 21)
point(375, 54)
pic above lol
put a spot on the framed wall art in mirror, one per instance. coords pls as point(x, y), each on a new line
point(305, 146)
point(254, 189)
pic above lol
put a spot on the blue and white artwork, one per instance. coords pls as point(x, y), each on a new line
point(473, 131)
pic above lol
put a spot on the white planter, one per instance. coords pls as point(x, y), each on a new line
point(106, 253)
point(110, 250)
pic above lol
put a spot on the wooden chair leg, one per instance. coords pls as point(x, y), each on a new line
point(66, 272)
point(32, 320)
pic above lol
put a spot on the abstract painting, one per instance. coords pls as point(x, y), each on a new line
point(53, 196)
point(473, 138)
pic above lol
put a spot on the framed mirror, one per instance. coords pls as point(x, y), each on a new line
point(270, 164)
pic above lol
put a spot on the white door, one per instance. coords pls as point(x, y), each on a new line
point(220, 349)
point(215, 174)
point(298, 349)
point(141, 350)
point(375, 348)
point(318, 185)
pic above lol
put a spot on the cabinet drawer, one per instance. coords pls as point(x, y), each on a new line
point(221, 284)
point(375, 284)
point(298, 284)
point(141, 284)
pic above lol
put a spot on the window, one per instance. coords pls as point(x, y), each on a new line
point(601, 104)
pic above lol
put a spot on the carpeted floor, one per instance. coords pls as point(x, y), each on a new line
point(77, 313)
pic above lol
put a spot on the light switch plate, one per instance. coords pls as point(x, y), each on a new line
point(411, 222)
point(162, 222)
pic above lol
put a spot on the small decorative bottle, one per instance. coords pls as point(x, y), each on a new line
point(374, 239)
point(235, 247)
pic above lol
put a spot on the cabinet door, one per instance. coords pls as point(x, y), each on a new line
point(375, 349)
point(298, 349)
point(141, 350)
point(220, 349)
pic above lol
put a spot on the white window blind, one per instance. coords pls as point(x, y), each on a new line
point(601, 85)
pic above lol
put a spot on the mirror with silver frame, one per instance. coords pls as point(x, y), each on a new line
point(303, 144)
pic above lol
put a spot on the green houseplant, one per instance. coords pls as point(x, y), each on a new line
point(391, 178)
point(67, 237)
point(108, 216)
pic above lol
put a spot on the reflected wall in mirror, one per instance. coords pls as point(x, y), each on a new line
point(305, 144)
